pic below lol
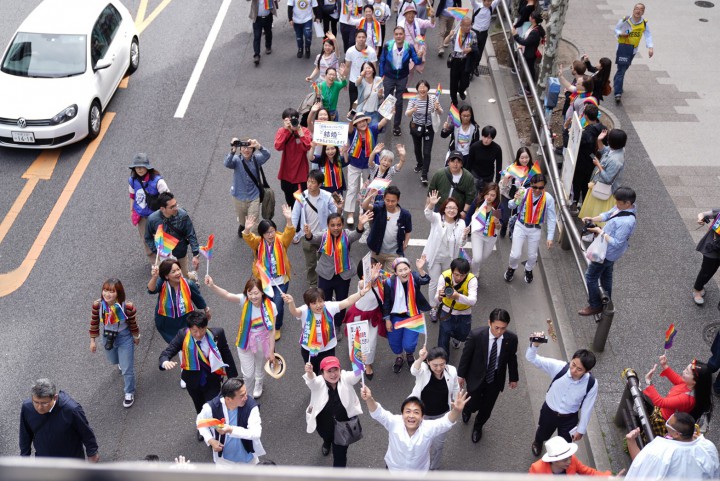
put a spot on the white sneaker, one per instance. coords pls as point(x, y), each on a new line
point(129, 400)
point(182, 384)
point(257, 390)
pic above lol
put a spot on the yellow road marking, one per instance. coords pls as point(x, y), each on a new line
point(11, 281)
point(124, 82)
point(141, 12)
point(41, 169)
point(147, 21)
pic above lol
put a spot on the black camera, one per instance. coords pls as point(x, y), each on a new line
point(540, 339)
point(240, 143)
point(706, 219)
point(109, 339)
point(586, 228)
point(448, 291)
point(295, 121)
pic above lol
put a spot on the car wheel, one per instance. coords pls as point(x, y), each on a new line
point(134, 55)
point(94, 119)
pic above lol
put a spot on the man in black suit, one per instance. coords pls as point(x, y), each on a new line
point(488, 353)
point(205, 358)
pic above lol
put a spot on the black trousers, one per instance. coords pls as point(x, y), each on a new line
point(315, 360)
point(289, 189)
point(423, 149)
point(259, 25)
point(326, 430)
point(353, 91)
point(201, 395)
point(329, 23)
point(549, 422)
point(483, 400)
point(459, 79)
point(481, 41)
point(348, 35)
point(338, 287)
point(707, 270)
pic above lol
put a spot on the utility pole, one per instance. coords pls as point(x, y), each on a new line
point(553, 33)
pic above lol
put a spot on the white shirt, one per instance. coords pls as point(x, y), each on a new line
point(302, 10)
point(667, 458)
point(389, 244)
point(482, 19)
point(463, 138)
point(368, 302)
point(332, 308)
point(381, 11)
point(254, 311)
point(311, 217)
point(455, 178)
point(566, 394)
point(397, 56)
point(407, 452)
point(252, 432)
point(358, 59)
point(491, 339)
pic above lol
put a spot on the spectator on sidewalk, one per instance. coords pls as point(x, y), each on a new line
point(584, 165)
point(714, 362)
point(485, 158)
point(600, 75)
point(55, 425)
point(620, 225)
point(628, 32)
point(709, 247)
point(559, 458)
point(530, 43)
point(608, 170)
point(569, 400)
point(456, 182)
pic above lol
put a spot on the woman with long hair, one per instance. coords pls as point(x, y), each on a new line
point(530, 43)
point(484, 224)
point(464, 135)
point(325, 60)
point(370, 92)
point(331, 162)
point(256, 332)
point(320, 114)
point(113, 317)
point(146, 184)
point(600, 74)
point(420, 110)
point(514, 178)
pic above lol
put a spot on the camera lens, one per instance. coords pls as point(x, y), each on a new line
point(449, 291)
point(294, 121)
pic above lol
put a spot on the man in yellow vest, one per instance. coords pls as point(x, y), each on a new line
point(628, 32)
point(457, 293)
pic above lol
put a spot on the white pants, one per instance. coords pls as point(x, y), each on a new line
point(252, 368)
point(482, 247)
point(354, 181)
point(520, 234)
point(439, 266)
point(436, 446)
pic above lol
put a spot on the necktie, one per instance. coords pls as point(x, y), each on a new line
point(490, 375)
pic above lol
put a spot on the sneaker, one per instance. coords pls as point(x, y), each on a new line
point(424, 181)
point(417, 169)
point(182, 384)
point(455, 343)
point(397, 367)
point(476, 72)
point(350, 220)
point(618, 99)
point(307, 52)
point(410, 359)
point(299, 53)
point(509, 274)
point(325, 448)
point(528, 276)
point(257, 390)
point(397, 132)
point(129, 400)
point(256, 59)
point(277, 334)
point(441, 52)
point(462, 96)
point(268, 51)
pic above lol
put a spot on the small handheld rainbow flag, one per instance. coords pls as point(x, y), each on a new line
point(534, 170)
point(669, 336)
point(457, 13)
point(316, 89)
point(420, 40)
point(409, 95)
point(438, 91)
point(159, 241)
point(454, 115)
point(210, 423)
point(414, 323)
point(299, 197)
point(463, 255)
point(356, 355)
point(207, 250)
point(164, 242)
point(379, 184)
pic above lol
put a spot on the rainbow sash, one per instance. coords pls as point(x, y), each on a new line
point(332, 172)
point(193, 355)
point(338, 248)
point(178, 306)
point(716, 225)
point(267, 4)
point(576, 95)
point(533, 215)
point(310, 339)
point(266, 319)
point(358, 143)
point(374, 30)
point(112, 314)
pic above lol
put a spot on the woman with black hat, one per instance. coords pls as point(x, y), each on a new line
point(146, 184)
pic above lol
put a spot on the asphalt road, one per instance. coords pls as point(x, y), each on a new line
point(45, 322)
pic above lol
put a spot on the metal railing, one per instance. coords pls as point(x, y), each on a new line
point(566, 224)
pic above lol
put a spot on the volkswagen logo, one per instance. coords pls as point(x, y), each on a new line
point(22, 123)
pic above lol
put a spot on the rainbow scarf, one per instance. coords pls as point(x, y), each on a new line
point(332, 172)
point(267, 4)
point(247, 324)
point(267, 254)
point(338, 248)
point(375, 29)
point(193, 355)
point(533, 215)
point(112, 314)
point(310, 338)
point(576, 95)
point(715, 226)
point(180, 305)
point(359, 141)
point(411, 301)
point(487, 220)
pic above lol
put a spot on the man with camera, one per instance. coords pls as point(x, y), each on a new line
point(620, 226)
point(247, 189)
point(569, 400)
point(456, 293)
point(294, 142)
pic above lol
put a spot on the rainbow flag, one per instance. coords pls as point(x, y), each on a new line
point(454, 115)
point(210, 423)
point(113, 314)
point(379, 184)
point(356, 355)
point(438, 91)
point(457, 13)
point(264, 277)
point(298, 195)
point(316, 89)
point(518, 171)
point(669, 336)
point(164, 242)
point(207, 250)
point(463, 255)
point(409, 95)
point(414, 323)
point(420, 40)
point(159, 239)
point(715, 226)
point(534, 170)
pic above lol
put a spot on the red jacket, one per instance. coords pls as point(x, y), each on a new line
point(678, 398)
point(294, 166)
point(576, 467)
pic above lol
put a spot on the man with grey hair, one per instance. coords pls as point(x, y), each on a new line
point(55, 424)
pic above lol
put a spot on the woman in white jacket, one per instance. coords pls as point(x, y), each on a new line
point(446, 237)
point(436, 384)
point(332, 398)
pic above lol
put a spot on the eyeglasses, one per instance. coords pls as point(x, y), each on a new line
point(42, 404)
point(537, 187)
point(670, 428)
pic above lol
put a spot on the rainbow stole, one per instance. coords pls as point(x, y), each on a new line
point(267, 4)
point(265, 255)
point(375, 29)
point(181, 305)
point(534, 215)
point(488, 221)
point(112, 314)
point(193, 355)
point(338, 248)
point(411, 296)
point(332, 172)
point(575, 95)
point(716, 225)
point(247, 324)
point(358, 143)
point(309, 336)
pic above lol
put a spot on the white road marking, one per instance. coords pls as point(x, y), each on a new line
point(202, 59)
point(423, 243)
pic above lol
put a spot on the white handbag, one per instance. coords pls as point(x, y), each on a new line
point(602, 191)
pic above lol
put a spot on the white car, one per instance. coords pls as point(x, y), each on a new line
point(61, 69)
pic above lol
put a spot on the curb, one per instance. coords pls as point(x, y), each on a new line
point(594, 441)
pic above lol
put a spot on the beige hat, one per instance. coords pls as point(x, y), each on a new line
point(361, 116)
point(276, 370)
point(557, 449)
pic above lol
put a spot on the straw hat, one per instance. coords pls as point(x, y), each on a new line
point(277, 369)
point(361, 116)
point(557, 449)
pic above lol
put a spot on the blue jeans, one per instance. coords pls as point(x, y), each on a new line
point(303, 30)
point(619, 79)
point(455, 326)
point(277, 299)
point(401, 339)
point(123, 353)
point(599, 271)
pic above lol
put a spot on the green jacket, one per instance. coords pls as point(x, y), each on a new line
point(464, 192)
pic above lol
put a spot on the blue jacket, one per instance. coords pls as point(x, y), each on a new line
point(619, 229)
point(385, 63)
point(377, 231)
point(141, 190)
point(243, 187)
point(389, 297)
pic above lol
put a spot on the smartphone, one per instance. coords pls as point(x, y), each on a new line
point(573, 431)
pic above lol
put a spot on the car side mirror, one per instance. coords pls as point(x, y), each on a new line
point(102, 64)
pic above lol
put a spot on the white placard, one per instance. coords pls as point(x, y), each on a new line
point(568, 172)
point(318, 28)
point(571, 153)
point(330, 133)
point(364, 328)
point(386, 107)
point(367, 266)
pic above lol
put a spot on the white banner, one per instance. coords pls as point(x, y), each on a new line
point(570, 154)
point(330, 133)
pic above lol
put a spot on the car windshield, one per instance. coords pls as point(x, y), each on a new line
point(46, 55)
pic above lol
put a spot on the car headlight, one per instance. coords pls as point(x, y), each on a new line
point(64, 115)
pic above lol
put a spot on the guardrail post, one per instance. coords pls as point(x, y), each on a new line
point(604, 324)
point(631, 411)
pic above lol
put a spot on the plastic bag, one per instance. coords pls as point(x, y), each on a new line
point(597, 250)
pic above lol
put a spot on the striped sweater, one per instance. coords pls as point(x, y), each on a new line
point(129, 312)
